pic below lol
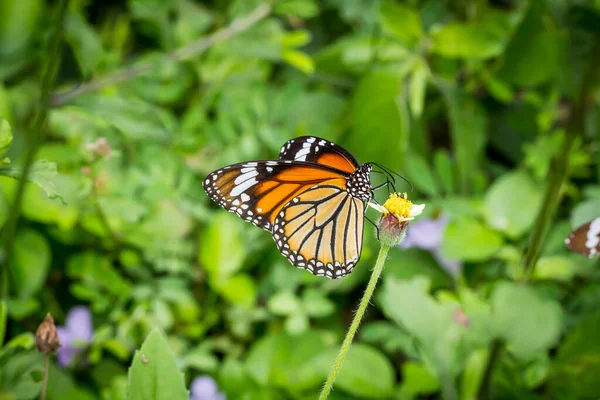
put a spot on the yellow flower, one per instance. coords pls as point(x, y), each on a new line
point(400, 207)
point(397, 212)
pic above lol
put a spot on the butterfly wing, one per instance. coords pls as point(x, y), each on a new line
point(320, 151)
point(321, 230)
point(585, 239)
point(258, 190)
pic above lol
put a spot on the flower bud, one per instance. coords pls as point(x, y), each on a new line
point(46, 336)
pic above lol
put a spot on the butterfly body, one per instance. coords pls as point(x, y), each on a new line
point(312, 200)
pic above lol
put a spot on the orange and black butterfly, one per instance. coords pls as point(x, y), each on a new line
point(312, 200)
point(585, 240)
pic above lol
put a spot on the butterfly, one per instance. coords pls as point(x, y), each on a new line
point(312, 200)
point(585, 239)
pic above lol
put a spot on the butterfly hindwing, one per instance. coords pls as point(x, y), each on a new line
point(585, 239)
point(257, 190)
point(320, 151)
point(321, 231)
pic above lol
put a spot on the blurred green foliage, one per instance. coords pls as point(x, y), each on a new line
point(472, 101)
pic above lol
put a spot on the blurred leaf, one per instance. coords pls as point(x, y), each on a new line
point(5, 138)
point(469, 240)
point(167, 83)
point(299, 60)
point(507, 213)
point(233, 378)
point(42, 173)
point(366, 373)
point(84, 42)
point(560, 268)
point(136, 119)
point(222, 250)
point(304, 9)
point(468, 128)
point(31, 262)
point(420, 174)
point(472, 376)
point(418, 88)
point(585, 212)
point(316, 304)
point(154, 373)
point(239, 289)
point(532, 327)
point(401, 21)
point(18, 26)
point(20, 373)
point(540, 45)
point(3, 319)
point(284, 303)
point(482, 40)
point(382, 118)
point(417, 380)
point(575, 373)
point(444, 168)
point(288, 361)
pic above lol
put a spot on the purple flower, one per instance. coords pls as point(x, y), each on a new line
point(205, 388)
point(76, 335)
point(427, 234)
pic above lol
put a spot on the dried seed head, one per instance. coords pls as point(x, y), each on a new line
point(46, 337)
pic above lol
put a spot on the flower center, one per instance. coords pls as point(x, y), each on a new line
point(398, 205)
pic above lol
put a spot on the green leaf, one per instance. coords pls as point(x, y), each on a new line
point(366, 373)
point(3, 319)
point(444, 168)
point(533, 55)
point(287, 361)
point(154, 374)
point(316, 304)
point(299, 60)
point(507, 213)
point(222, 248)
point(401, 21)
point(585, 212)
point(42, 173)
point(284, 303)
point(420, 173)
point(240, 289)
point(31, 262)
point(5, 137)
point(417, 380)
point(468, 128)
point(559, 268)
point(575, 371)
point(533, 326)
point(482, 40)
point(84, 42)
point(418, 88)
point(473, 373)
point(382, 118)
point(467, 239)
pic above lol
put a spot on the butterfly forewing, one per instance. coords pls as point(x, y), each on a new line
point(258, 190)
point(585, 239)
point(320, 151)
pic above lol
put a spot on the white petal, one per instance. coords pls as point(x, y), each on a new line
point(416, 209)
point(377, 207)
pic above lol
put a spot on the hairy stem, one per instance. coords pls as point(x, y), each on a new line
point(45, 379)
point(364, 302)
point(35, 139)
point(184, 53)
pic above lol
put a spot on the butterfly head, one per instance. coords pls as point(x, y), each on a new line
point(359, 183)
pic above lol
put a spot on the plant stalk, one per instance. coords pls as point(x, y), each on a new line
point(364, 302)
point(45, 379)
point(36, 137)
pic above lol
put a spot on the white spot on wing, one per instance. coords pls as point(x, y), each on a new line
point(242, 187)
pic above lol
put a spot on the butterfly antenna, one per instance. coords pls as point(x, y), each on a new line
point(391, 172)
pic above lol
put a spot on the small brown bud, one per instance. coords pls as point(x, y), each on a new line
point(46, 337)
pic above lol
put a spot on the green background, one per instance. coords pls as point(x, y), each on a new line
point(489, 108)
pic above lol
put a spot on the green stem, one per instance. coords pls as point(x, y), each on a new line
point(364, 302)
point(45, 379)
point(559, 165)
point(36, 137)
